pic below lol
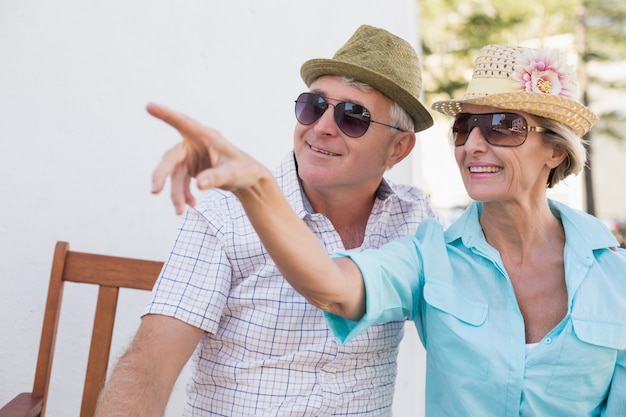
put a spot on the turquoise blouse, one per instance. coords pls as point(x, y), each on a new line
point(454, 287)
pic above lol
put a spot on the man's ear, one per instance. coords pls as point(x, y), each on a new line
point(403, 146)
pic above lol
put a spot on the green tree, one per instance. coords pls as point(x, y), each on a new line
point(453, 31)
point(600, 36)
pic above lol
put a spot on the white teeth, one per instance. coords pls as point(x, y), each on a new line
point(323, 151)
point(485, 169)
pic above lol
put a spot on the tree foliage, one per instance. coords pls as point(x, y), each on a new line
point(605, 41)
point(606, 29)
point(453, 31)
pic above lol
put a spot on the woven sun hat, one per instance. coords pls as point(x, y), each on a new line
point(381, 60)
point(535, 81)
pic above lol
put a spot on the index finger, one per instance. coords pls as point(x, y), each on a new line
point(177, 120)
point(190, 129)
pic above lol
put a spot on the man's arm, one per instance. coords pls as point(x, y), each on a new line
point(142, 380)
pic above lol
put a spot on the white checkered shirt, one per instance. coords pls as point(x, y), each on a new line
point(266, 351)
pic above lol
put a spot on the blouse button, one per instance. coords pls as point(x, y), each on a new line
point(548, 340)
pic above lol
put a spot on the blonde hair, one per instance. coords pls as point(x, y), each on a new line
point(561, 135)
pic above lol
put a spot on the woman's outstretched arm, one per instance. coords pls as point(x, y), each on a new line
point(335, 286)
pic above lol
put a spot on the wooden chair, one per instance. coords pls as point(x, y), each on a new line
point(110, 273)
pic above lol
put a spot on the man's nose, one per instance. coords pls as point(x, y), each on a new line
point(327, 120)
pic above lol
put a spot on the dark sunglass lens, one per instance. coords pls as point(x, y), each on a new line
point(352, 119)
point(460, 129)
point(507, 129)
point(310, 107)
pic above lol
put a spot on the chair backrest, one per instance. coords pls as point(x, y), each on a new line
point(110, 273)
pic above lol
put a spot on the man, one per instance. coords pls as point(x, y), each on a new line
point(260, 348)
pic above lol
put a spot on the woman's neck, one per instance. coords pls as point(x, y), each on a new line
point(518, 230)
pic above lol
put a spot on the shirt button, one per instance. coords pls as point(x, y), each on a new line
point(548, 340)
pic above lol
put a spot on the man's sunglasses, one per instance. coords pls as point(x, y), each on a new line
point(498, 129)
point(352, 119)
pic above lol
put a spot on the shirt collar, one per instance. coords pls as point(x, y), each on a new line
point(581, 229)
point(287, 176)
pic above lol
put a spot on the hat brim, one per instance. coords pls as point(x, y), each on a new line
point(562, 109)
point(315, 68)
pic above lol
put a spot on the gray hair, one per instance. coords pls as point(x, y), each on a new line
point(397, 115)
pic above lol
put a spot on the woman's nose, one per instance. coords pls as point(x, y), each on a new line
point(475, 138)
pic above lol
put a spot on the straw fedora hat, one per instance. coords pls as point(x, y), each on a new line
point(535, 81)
point(381, 60)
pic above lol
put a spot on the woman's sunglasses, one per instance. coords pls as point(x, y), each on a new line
point(498, 129)
point(352, 119)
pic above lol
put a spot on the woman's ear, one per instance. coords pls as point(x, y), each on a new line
point(559, 154)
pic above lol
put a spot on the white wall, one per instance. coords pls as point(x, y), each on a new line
point(77, 148)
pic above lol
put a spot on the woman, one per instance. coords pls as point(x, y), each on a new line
point(521, 303)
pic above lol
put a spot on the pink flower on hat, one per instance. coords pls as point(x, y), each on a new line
point(546, 72)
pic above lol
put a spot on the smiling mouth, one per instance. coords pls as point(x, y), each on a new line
point(484, 169)
point(322, 151)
